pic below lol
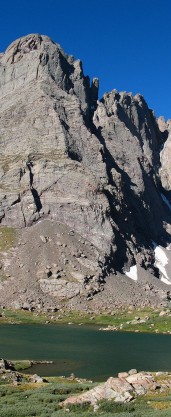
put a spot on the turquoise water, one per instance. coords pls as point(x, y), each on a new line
point(84, 350)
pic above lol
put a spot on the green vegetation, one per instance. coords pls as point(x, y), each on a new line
point(112, 407)
point(21, 365)
point(80, 408)
point(7, 238)
point(127, 320)
point(43, 400)
point(21, 317)
point(130, 320)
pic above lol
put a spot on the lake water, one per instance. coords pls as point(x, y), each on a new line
point(85, 350)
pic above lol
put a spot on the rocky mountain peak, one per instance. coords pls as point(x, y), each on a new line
point(92, 165)
point(41, 59)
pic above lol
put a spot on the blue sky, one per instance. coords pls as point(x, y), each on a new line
point(126, 43)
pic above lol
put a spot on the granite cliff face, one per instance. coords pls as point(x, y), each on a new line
point(48, 154)
point(92, 166)
point(165, 155)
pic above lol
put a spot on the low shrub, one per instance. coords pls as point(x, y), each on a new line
point(86, 406)
point(113, 407)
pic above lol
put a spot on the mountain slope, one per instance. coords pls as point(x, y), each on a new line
point(91, 167)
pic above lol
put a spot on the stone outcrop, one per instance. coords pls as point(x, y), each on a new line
point(125, 388)
point(91, 165)
point(8, 374)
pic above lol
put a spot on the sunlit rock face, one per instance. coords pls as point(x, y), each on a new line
point(50, 160)
point(165, 170)
point(91, 165)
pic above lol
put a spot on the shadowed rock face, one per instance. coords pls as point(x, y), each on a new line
point(131, 149)
point(92, 165)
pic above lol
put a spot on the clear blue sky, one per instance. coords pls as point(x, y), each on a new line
point(126, 43)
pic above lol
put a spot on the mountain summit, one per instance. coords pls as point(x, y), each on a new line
point(85, 182)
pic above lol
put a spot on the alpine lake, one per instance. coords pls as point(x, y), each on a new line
point(84, 350)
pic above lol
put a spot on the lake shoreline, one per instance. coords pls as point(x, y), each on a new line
point(145, 320)
point(132, 392)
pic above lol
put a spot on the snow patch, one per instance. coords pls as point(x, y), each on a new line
point(161, 260)
point(165, 280)
point(160, 256)
point(132, 273)
point(166, 201)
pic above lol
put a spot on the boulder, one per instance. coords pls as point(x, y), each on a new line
point(122, 389)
